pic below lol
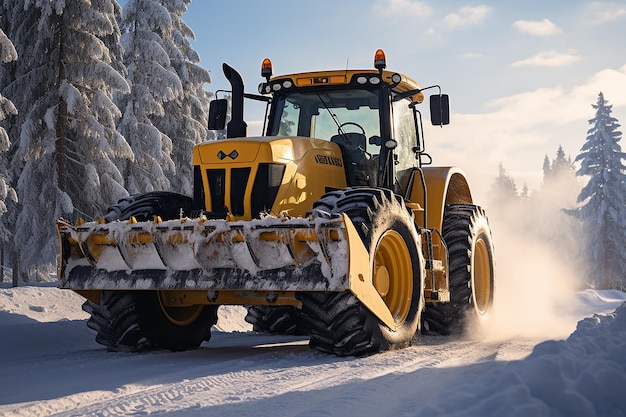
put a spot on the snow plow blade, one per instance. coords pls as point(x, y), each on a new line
point(259, 255)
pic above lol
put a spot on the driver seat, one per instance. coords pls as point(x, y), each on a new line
point(350, 141)
point(353, 146)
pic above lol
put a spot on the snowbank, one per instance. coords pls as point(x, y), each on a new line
point(42, 302)
point(584, 375)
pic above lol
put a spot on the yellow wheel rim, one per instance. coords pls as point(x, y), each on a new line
point(482, 277)
point(179, 316)
point(393, 274)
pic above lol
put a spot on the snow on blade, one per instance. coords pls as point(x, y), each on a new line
point(206, 247)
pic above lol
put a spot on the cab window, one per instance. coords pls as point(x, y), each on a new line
point(405, 134)
point(319, 114)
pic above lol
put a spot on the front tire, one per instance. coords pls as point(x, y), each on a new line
point(137, 321)
point(467, 235)
point(140, 320)
point(339, 323)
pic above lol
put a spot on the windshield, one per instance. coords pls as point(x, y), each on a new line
point(326, 114)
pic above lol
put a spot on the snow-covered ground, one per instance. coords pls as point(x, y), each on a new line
point(51, 366)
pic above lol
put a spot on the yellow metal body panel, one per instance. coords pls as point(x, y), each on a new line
point(444, 185)
point(360, 272)
point(312, 166)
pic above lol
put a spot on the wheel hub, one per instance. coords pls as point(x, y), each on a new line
point(381, 280)
point(179, 316)
point(482, 277)
point(393, 274)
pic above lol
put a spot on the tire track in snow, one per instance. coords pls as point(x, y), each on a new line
point(250, 378)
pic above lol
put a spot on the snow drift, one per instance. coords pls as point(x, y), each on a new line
point(584, 375)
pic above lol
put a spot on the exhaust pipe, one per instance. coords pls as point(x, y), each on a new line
point(237, 127)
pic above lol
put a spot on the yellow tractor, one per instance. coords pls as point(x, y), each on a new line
point(333, 224)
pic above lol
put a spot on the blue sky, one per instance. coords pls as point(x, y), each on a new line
point(521, 75)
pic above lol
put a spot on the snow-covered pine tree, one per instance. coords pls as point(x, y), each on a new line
point(20, 24)
point(545, 218)
point(7, 109)
point(560, 167)
point(185, 117)
point(153, 81)
point(504, 189)
point(67, 136)
point(8, 196)
point(22, 78)
point(524, 195)
point(604, 199)
point(547, 167)
point(560, 185)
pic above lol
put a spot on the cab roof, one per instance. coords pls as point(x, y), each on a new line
point(349, 77)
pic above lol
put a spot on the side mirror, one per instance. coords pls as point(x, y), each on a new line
point(439, 110)
point(218, 109)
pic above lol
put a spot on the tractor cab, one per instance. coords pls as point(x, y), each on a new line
point(370, 114)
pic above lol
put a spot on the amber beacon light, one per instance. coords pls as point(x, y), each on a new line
point(380, 61)
point(266, 69)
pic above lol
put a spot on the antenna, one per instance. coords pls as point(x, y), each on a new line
point(347, 62)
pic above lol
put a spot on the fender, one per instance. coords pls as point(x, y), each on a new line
point(444, 185)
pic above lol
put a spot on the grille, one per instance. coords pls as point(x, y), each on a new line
point(266, 185)
point(264, 189)
point(238, 182)
point(217, 189)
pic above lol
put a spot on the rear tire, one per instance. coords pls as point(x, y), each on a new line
point(339, 323)
point(139, 320)
point(144, 206)
point(274, 319)
point(467, 235)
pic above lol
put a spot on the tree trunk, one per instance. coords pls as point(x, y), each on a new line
point(62, 123)
point(16, 269)
point(606, 274)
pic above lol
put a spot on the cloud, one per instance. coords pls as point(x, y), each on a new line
point(556, 106)
point(537, 28)
point(548, 59)
point(601, 12)
point(518, 130)
point(403, 7)
point(467, 16)
point(472, 55)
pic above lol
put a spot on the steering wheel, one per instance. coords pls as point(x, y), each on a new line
point(340, 129)
point(345, 135)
